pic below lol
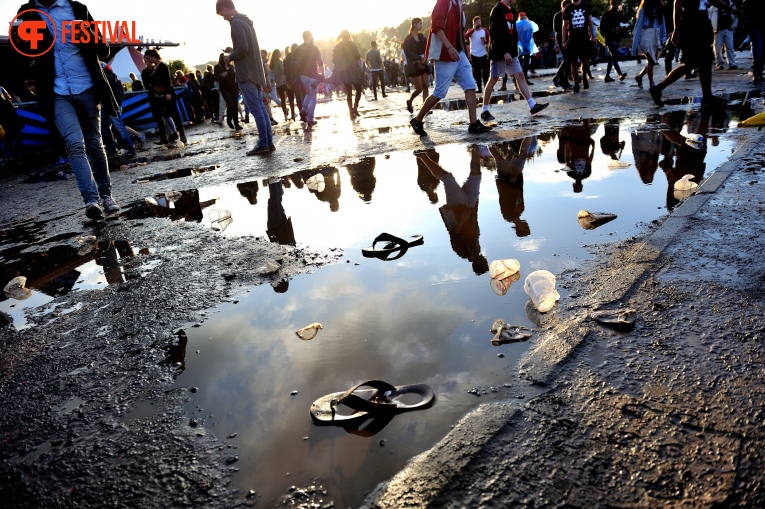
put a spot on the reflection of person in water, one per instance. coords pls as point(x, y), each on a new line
point(425, 180)
point(460, 214)
point(109, 258)
point(609, 143)
point(328, 189)
point(646, 147)
point(576, 151)
point(363, 178)
point(689, 158)
point(510, 180)
point(249, 190)
point(279, 226)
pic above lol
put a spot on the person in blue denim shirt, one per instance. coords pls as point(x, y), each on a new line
point(71, 88)
point(649, 36)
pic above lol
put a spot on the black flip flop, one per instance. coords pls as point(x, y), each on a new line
point(381, 401)
point(393, 245)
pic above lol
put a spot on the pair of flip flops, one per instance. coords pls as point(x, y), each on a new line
point(381, 401)
point(393, 249)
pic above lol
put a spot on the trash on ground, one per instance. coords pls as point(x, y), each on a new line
point(615, 165)
point(540, 287)
point(694, 140)
point(394, 247)
point(506, 333)
point(686, 184)
point(270, 267)
point(382, 400)
point(501, 269)
point(309, 332)
point(16, 289)
point(501, 286)
point(755, 121)
point(87, 244)
point(316, 183)
point(220, 219)
point(591, 220)
point(619, 318)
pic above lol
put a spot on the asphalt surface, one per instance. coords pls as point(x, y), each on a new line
point(666, 414)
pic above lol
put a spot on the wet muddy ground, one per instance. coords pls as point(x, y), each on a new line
point(206, 363)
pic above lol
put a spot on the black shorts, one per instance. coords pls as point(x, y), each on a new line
point(696, 38)
point(578, 50)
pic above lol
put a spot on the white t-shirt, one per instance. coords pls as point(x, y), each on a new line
point(477, 47)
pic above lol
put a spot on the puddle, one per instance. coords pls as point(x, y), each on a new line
point(62, 269)
point(422, 318)
point(175, 174)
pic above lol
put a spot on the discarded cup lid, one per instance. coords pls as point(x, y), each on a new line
point(309, 332)
point(591, 220)
point(500, 269)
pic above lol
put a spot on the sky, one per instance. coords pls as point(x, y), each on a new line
point(203, 34)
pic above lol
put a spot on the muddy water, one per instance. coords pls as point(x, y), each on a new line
point(423, 318)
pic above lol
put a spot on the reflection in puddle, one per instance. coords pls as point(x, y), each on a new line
point(423, 318)
point(65, 268)
point(175, 174)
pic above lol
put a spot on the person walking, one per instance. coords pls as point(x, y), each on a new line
point(564, 69)
point(526, 45)
point(610, 27)
point(212, 93)
point(446, 46)
point(276, 66)
point(116, 120)
point(722, 25)
point(693, 34)
point(754, 13)
point(162, 98)
point(311, 74)
point(417, 64)
point(71, 88)
point(503, 53)
point(249, 72)
point(478, 40)
point(650, 36)
point(225, 74)
point(347, 71)
point(375, 63)
point(577, 38)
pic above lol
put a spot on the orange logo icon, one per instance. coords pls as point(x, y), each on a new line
point(32, 32)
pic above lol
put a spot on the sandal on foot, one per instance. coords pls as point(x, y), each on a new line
point(394, 248)
point(357, 404)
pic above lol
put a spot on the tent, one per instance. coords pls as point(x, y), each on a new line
point(125, 61)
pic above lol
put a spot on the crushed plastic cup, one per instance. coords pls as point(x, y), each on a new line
point(316, 183)
point(540, 287)
point(591, 220)
point(500, 269)
point(16, 289)
point(220, 219)
point(685, 184)
point(501, 286)
point(309, 332)
point(694, 140)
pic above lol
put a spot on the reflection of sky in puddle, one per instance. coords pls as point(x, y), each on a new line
point(422, 319)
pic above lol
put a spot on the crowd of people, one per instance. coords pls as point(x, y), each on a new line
point(699, 32)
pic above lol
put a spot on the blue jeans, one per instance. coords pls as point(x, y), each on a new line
point(253, 98)
point(311, 85)
point(78, 121)
point(119, 125)
point(613, 58)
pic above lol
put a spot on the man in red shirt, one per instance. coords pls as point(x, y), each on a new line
point(446, 46)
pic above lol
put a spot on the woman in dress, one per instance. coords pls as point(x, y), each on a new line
point(346, 58)
point(416, 64)
point(226, 77)
point(650, 36)
point(162, 95)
